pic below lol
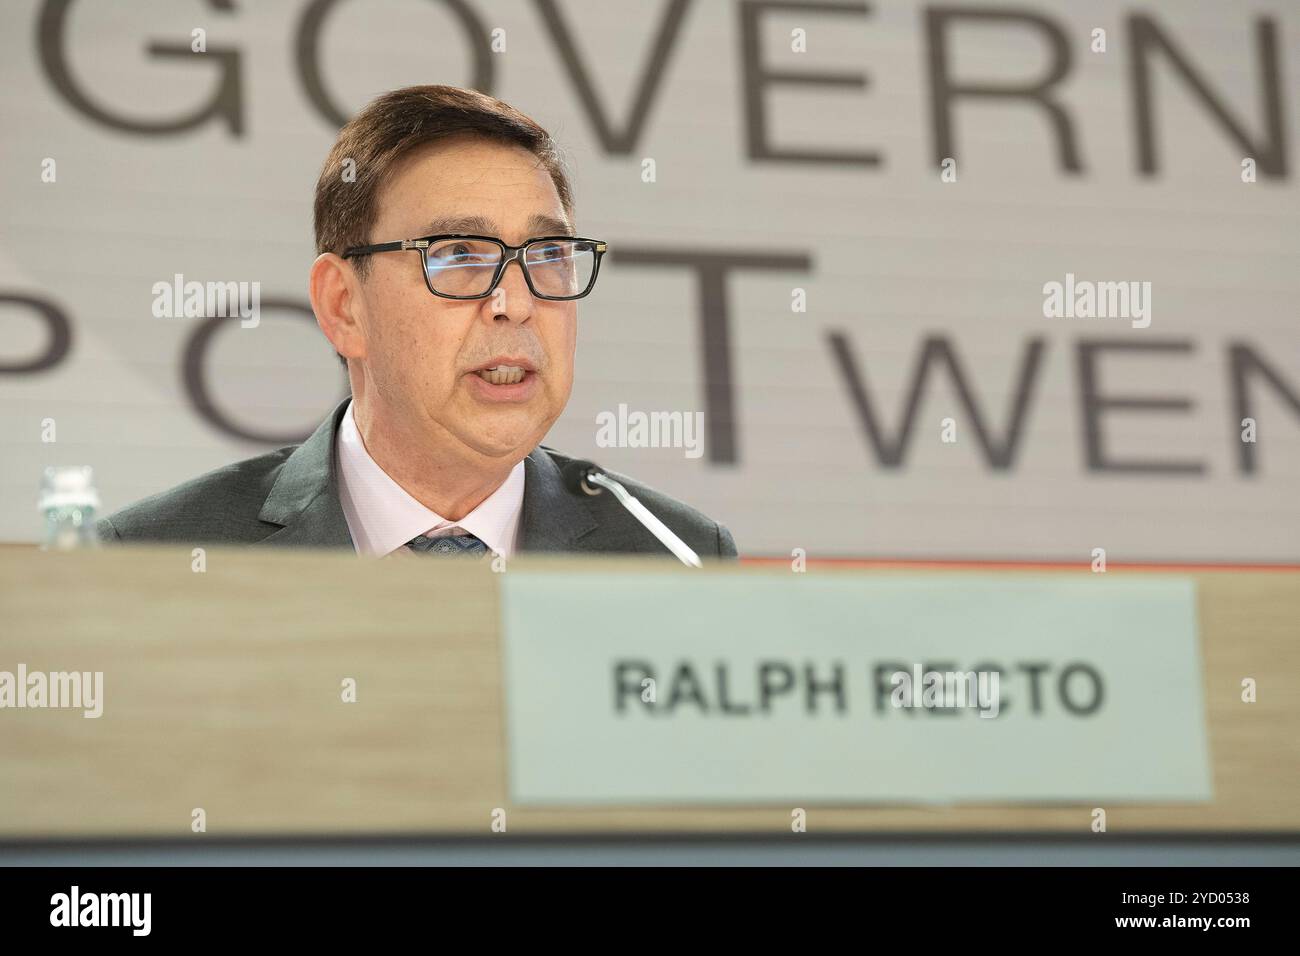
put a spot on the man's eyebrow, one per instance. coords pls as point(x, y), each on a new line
point(539, 224)
point(452, 224)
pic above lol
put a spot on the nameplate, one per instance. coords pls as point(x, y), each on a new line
point(629, 688)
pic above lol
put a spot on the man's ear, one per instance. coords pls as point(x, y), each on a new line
point(336, 300)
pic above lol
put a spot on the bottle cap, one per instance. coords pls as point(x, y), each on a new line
point(64, 486)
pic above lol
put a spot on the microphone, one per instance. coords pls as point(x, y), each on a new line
point(586, 478)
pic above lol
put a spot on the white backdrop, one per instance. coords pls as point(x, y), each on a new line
point(892, 259)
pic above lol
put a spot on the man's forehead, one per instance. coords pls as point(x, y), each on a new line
point(415, 183)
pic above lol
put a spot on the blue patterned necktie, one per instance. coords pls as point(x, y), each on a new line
point(459, 545)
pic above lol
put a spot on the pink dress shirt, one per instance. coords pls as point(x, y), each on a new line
point(382, 517)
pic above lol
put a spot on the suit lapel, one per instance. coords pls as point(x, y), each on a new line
point(305, 498)
point(552, 517)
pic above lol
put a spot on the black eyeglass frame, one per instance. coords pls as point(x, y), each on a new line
point(509, 254)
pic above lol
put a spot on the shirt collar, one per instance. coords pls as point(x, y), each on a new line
point(383, 516)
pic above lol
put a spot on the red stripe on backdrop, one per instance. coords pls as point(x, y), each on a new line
point(1019, 565)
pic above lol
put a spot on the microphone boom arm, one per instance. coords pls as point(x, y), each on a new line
point(639, 511)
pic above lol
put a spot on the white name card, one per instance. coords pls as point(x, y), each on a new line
point(632, 688)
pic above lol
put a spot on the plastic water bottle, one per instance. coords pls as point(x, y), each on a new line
point(69, 502)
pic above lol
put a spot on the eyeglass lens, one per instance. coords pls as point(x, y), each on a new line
point(465, 267)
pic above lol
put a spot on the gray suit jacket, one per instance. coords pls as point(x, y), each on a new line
point(290, 497)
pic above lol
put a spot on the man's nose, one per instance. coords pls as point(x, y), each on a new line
point(512, 300)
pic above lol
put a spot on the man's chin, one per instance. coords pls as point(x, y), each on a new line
point(491, 440)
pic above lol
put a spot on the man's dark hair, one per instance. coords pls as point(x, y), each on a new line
point(374, 141)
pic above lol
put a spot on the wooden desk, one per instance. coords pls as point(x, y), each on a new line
point(222, 692)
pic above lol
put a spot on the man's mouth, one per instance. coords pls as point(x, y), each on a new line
point(502, 374)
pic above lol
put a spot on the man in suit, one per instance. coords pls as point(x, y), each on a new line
point(459, 364)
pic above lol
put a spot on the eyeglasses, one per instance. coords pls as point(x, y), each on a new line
point(469, 267)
